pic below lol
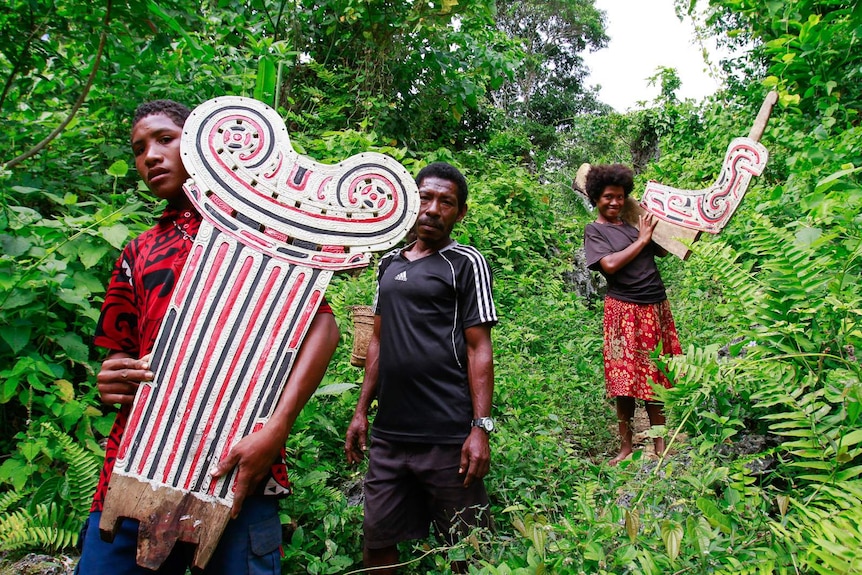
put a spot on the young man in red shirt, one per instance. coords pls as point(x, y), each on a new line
point(135, 303)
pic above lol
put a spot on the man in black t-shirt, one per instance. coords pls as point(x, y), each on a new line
point(430, 366)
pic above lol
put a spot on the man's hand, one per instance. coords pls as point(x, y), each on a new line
point(475, 456)
point(254, 455)
point(355, 443)
point(120, 376)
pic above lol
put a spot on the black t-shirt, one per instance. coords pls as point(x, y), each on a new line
point(639, 280)
point(424, 307)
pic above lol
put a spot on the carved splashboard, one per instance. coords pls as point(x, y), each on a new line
point(684, 214)
point(276, 226)
point(709, 210)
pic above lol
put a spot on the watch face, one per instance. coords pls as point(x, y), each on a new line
point(485, 423)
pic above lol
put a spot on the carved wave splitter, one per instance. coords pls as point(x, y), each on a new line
point(276, 226)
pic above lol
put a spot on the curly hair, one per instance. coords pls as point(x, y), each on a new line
point(604, 175)
point(446, 172)
point(173, 110)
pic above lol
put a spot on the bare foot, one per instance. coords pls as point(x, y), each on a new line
point(624, 453)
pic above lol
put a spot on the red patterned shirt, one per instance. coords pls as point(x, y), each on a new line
point(135, 303)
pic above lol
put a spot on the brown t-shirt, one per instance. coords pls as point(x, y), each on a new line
point(639, 280)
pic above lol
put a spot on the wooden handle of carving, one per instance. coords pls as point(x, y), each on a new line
point(763, 116)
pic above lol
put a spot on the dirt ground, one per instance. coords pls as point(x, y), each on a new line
point(641, 439)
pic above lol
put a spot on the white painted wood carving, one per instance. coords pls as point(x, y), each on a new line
point(276, 226)
point(685, 214)
point(709, 210)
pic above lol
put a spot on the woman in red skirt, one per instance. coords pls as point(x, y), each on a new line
point(637, 314)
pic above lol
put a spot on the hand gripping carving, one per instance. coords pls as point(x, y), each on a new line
point(276, 226)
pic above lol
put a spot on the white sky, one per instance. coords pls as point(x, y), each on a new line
point(646, 34)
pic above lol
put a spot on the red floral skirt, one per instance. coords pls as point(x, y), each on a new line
point(632, 332)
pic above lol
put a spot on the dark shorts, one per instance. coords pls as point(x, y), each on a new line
point(250, 545)
point(411, 487)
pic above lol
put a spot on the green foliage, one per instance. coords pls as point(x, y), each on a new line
point(351, 76)
point(57, 252)
point(50, 516)
point(411, 70)
point(800, 382)
point(548, 90)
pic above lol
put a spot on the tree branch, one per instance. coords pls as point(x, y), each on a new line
point(44, 143)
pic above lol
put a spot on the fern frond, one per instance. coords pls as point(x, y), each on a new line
point(724, 262)
point(785, 297)
point(11, 498)
point(829, 525)
point(83, 472)
point(784, 258)
point(46, 528)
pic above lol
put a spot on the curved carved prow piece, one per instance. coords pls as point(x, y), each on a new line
point(252, 185)
point(684, 214)
point(709, 209)
point(276, 225)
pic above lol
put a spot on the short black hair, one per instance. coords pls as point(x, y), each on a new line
point(173, 110)
point(604, 175)
point(446, 172)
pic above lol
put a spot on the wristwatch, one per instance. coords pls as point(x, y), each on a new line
point(486, 423)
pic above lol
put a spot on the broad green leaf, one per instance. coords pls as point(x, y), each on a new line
point(8, 389)
point(25, 189)
point(16, 336)
point(116, 235)
point(807, 236)
point(625, 555)
point(103, 424)
point(31, 449)
point(826, 183)
point(65, 390)
point(74, 347)
point(15, 472)
point(335, 388)
point(14, 246)
point(699, 530)
point(594, 552)
point(715, 517)
point(23, 216)
point(118, 169)
point(90, 254)
point(35, 382)
point(671, 534)
point(632, 524)
point(267, 77)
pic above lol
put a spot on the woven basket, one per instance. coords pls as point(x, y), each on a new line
point(363, 325)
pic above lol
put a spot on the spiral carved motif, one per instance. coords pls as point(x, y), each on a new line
point(710, 209)
point(251, 182)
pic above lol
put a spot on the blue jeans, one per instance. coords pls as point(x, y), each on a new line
point(250, 545)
